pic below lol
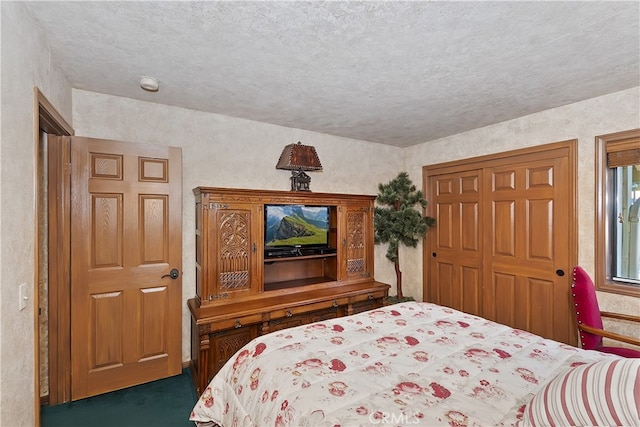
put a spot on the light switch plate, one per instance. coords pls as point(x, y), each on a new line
point(22, 295)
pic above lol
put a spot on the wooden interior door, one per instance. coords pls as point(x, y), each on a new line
point(455, 261)
point(126, 238)
point(527, 269)
point(505, 238)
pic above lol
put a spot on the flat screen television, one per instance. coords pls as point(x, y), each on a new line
point(287, 227)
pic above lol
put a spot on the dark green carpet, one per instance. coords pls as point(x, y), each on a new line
point(166, 402)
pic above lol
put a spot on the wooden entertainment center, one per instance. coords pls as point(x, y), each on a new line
point(241, 293)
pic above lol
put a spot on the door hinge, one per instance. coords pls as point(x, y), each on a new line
point(67, 168)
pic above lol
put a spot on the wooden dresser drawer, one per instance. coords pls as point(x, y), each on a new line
point(366, 302)
point(307, 308)
point(237, 322)
point(369, 296)
point(288, 322)
point(360, 306)
point(306, 316)
point(330, 313)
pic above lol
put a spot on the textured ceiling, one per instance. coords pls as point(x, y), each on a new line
point(397, 73)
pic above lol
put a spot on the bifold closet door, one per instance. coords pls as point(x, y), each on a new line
point(505, 238)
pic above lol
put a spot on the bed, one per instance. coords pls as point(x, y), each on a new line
point(417, 364)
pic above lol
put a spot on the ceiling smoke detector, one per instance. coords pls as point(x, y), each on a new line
point(149, 84)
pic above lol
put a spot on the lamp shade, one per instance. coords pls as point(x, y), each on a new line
point(299, 157)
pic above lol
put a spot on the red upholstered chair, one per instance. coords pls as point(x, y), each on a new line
point(589, 318)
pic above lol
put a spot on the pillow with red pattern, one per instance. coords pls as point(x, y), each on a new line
point(605, 393)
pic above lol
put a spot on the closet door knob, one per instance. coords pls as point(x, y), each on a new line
point(559, 273)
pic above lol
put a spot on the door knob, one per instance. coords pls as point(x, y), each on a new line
point(560, 273)
point(174, 274)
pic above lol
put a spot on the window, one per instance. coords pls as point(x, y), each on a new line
point(618, 212)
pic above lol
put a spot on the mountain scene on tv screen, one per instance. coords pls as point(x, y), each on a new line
point(294, 225)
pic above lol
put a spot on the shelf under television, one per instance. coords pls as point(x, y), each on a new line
point(298, 257)
point(288, 284)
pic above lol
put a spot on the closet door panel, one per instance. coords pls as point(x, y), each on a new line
point(525, 238)
point(455, 259)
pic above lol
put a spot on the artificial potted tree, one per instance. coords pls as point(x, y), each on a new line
point(397, 221)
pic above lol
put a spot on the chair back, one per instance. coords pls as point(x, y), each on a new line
point(586, 307)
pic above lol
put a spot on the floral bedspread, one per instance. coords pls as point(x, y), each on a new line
point(407, 364)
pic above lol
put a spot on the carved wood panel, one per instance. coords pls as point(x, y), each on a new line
point(355, 242)
point(357, 229)
point(234, 250)
point(225, 344)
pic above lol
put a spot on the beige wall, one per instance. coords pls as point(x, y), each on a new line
point(224, 151)
point(26, 63)
point(582, 121)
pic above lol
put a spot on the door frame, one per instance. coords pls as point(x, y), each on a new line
point(47, 118)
